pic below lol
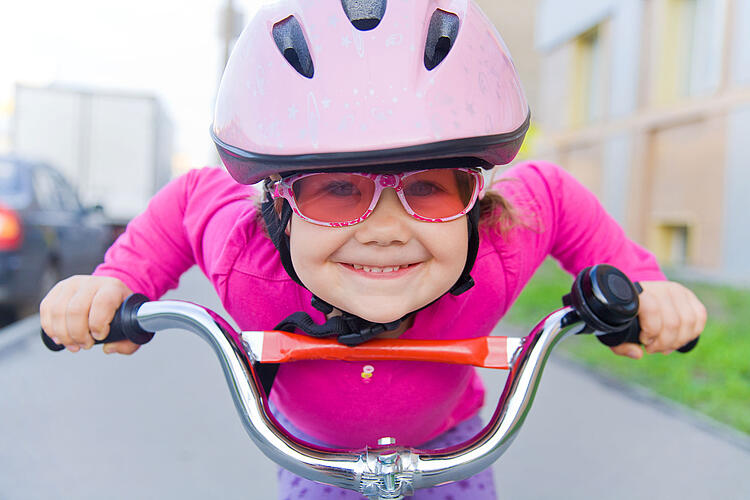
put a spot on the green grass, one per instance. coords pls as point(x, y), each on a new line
point(714, 378)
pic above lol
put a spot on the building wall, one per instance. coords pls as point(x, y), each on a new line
point(735, 241)
point(558, 22)
point(616, 176)
point(668, 155)
point(516, 25)
point(740, 54)
point(554, 88)
point(585, 163)
point(685, 182)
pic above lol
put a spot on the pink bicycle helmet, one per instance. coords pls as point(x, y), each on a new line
point(366, 84)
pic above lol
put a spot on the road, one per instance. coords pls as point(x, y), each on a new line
point(161, 424)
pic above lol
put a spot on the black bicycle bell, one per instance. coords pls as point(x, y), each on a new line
point(604, 297)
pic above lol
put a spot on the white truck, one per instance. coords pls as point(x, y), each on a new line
point(115, 148)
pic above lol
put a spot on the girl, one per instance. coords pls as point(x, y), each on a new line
point(370, 122)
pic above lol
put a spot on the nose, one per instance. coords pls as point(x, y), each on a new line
point(388, 224)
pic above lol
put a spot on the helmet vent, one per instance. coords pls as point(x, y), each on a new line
point(440, 37)
point(364, 14)
point(291, 42)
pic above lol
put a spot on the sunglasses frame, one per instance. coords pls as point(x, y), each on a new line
point(283, 189)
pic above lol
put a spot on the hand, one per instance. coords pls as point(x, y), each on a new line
point(670, 317)
point(79, 309)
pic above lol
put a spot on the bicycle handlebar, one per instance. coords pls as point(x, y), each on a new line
point(605, 297)
point(389, 471)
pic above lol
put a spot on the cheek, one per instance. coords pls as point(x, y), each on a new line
point(449, 244)
point(310, 246)
point(305, 243)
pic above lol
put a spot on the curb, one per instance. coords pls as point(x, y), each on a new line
point(646, 396)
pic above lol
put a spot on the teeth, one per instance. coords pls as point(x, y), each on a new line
point(372, 269)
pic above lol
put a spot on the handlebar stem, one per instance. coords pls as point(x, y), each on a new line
point(387, 472)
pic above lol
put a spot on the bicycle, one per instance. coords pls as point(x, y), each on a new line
point(602, 301)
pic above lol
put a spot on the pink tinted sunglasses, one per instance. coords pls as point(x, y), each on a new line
point(337, 199)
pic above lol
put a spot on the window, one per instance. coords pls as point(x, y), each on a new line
point(690, 52)
point(674, 244)
point(678, 251)
point(68, 198)
point(45, 191)
point(685, 11)
point(588, 78)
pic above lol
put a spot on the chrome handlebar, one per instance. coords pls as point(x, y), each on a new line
point(383, 472)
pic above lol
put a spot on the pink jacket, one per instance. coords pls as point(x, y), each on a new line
point(205, 218)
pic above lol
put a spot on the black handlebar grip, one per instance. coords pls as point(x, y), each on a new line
point(632, 334)
point(124, 325)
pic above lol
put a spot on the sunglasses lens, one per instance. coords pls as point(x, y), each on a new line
point(440, 193)
point(333, 197)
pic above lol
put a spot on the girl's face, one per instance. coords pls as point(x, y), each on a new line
point(384, 267)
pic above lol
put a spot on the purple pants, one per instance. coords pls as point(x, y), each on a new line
point(479, 487)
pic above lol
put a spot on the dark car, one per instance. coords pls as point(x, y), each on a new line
point(45, 234)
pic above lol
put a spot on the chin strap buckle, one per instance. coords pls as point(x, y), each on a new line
point(465, 283)
point(365, 333)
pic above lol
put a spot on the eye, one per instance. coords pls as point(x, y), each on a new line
point(422, 188)
point(340, 188)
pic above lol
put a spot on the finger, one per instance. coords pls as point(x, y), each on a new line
point(121, 346)
point(701, 315)
point(688, 318)
point(48, 303)
point(46, 311)
point(629, 350)
point(104, 305)
point(77, 316)
point(52, 316)
point(649, 316)
point(670, 326)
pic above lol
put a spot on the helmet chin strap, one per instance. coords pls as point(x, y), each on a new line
point(348, 328)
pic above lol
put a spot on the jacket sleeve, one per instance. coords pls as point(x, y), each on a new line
point(569, 223)
point(188, 222)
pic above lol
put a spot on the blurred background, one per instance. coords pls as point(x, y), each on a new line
point(647, 102)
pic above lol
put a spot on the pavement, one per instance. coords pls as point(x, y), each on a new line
point(161, 424)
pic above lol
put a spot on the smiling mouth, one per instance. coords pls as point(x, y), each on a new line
point(379, 270)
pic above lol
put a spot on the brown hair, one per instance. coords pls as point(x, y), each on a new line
point(497, 213)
